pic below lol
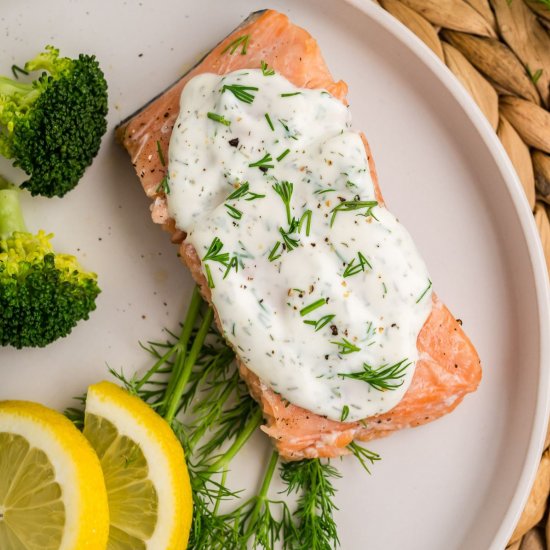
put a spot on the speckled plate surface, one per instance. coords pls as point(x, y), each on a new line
point(457, 483)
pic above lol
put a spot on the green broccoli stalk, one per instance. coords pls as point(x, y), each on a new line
point(43, 295)
point(52, 127)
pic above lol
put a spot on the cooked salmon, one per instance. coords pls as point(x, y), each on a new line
point(448, 367)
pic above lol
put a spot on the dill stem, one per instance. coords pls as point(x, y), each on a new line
point(244, 436)
point(288, 214)
point(268, 474)
point(201, 430)
point(182, 373)
point(181, 345)
point(262, 495)
point(155, 368)
point(219, 499)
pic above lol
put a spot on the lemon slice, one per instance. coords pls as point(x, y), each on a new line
point(52, 493)
point(150, 502)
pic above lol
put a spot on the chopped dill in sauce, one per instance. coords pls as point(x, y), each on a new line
point(315, 283)
point(241, 41)
point(242, 93)
point(218, 118)
point(266, 70)
point(264, 162)
point(268, 118)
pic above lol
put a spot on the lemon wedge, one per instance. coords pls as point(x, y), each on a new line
point(150, 502)
point(52, 493)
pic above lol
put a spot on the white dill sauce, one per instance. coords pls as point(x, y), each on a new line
point(312, 280)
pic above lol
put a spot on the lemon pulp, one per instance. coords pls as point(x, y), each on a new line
point(32, 513)
point(133, 500)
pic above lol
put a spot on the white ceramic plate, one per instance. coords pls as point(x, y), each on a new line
point(459, 482)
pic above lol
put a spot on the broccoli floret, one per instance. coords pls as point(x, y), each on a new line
point(52, 127)
point(43, 294)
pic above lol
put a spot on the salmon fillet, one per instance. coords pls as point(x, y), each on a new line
point(448, 367)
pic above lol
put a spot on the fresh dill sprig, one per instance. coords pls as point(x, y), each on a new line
point(241, 41)
point(253, 196)
point(316, 528)
point(208, 529)
point(323, 191)
point(386, 377)
point(283, 155)
point(239, 414)
point(284, 189)
point(353, 268)
point(345, 413)
point(268, 118)
point(535, 77)
point(273, 252)
point(266, 70)
point(255, 516)
point(244, 192)
point(218, 118)
point(364, 456)
point(209, 278)
point(242, 93)
point(425, 291)
point(240, 192)
point(313, 306)
point(263, 164)
point(160, 154)
point(163, 186)
point(345, 346)
point(233, 264)
point(259, 522)
point(130, 384)
point(183, 365)
point(289, 240)
point(76, 414)
point(306, 218)
point(251, 523)
point(214, 252)
point(349, 206)
point(234, 212)
point(320, 323)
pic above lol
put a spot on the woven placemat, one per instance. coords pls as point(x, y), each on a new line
point(500, 51)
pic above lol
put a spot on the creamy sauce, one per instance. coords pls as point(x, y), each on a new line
point(312, 280)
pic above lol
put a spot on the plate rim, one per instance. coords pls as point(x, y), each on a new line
point(534, 249)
